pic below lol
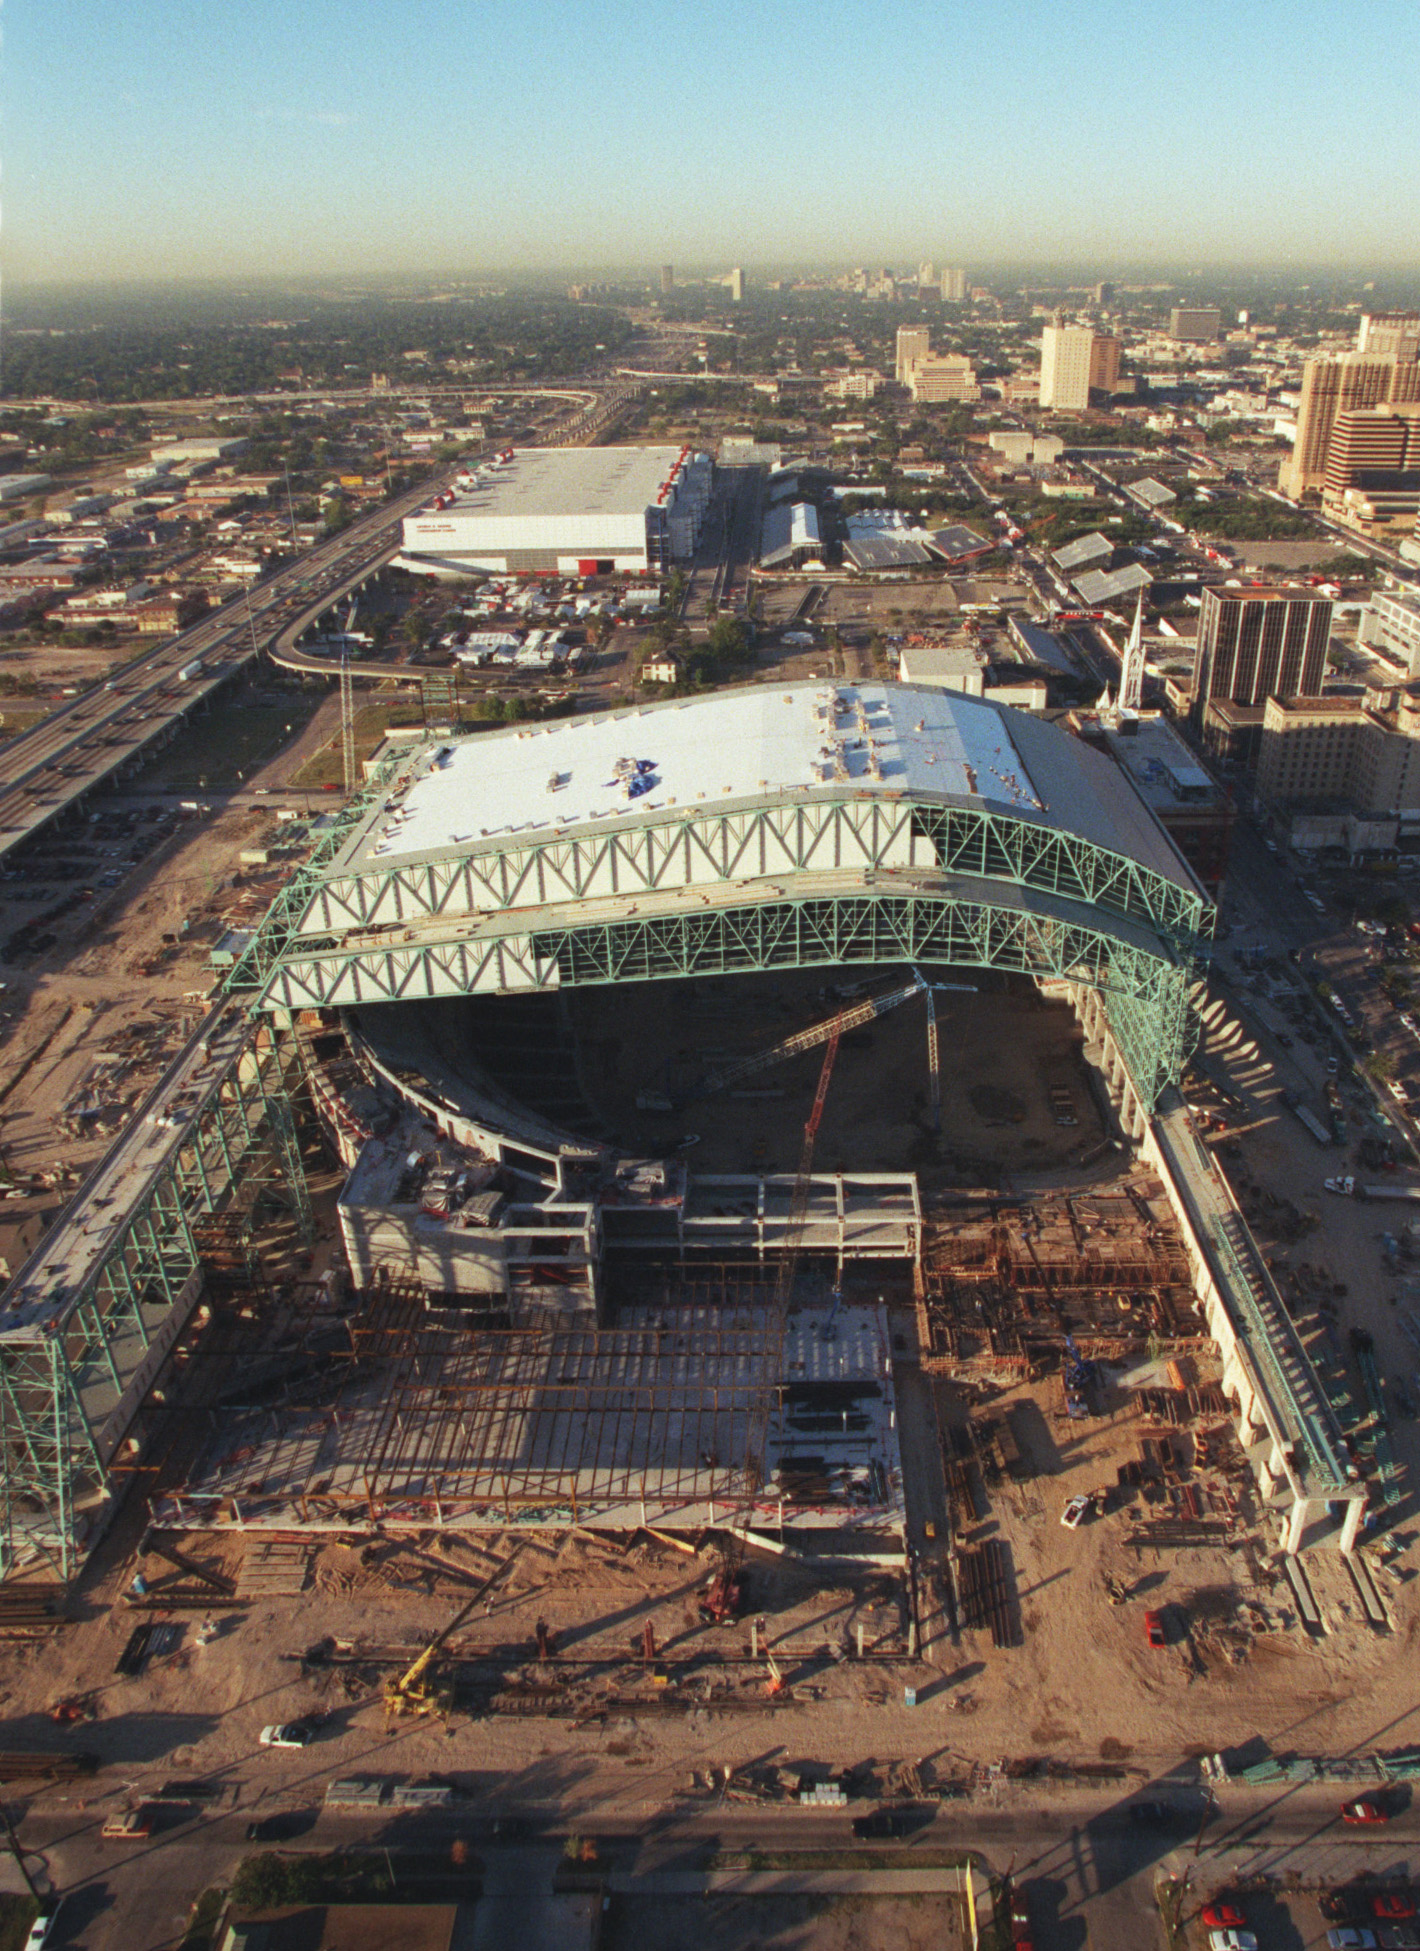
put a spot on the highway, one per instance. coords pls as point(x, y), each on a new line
point(98, 734)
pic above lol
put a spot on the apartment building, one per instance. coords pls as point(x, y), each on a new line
point(1104, 363)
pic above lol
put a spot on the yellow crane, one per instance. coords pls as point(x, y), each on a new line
point(417, 1690)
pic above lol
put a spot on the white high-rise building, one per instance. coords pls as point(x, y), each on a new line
point(736, 282)
point(953, 287)
point(1066, 352)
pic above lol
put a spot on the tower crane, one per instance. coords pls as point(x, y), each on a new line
point(721, 1602)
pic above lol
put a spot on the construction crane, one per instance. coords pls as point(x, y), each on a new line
point(722, 1600)
point(934, 1062)
point(416, 1691)
point(792, 1046)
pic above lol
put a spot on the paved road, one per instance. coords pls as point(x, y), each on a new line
point(1088, 1872)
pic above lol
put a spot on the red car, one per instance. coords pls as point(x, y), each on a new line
point(1364, 1810)
point(1223, 1916)
point(1392, 1903)
point(1154, 1629)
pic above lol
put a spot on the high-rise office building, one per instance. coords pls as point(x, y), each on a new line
point(1104, 293)
point(1256, 644)
point(935, 380)
point(1104, 363)
point(953, 287)
point(667, 280)
point(926, 275)
point(1195, 324)
point(1372, 440)
point(737, 286)
point(1335, 383)
point(914, 342)
point(1390, 335)
point(1066, 355)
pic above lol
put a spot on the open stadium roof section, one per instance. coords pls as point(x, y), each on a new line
point(790, 530)
point(1084, 551)
point(703, 755)
point(1103, 586)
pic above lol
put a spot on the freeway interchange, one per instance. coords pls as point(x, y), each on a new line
point(100, 733)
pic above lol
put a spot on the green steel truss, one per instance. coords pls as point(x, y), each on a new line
point(282, 919)
point(808, 835)
point(70, 1393)
point(1142, 978)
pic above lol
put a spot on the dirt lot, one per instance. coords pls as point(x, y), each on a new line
point(1002, 1048)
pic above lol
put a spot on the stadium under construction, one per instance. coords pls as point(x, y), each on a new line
point(655, 1046)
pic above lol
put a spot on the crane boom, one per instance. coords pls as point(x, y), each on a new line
point(809, 1039)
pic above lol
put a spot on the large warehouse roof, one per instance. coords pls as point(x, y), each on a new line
point(578, 480)
point(753, 745)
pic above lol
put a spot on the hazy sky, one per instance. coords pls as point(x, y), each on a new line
point(173, 138)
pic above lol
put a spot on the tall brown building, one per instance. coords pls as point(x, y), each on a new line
point(1255, 644)
point(1104, 364)
point(1384, 370)
point(1370, 440)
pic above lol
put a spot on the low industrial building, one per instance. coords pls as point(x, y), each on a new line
point(1096, 586)
point(579, 511)
point(791, 536)
point(1085, 552)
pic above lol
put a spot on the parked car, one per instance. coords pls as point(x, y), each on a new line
point(1366, 1808)
point(1223, 1915)
point(1075, 1513)
point(1154, 1629)
point(286, 1734)
point(134, 1825)
point(1393, 1903)
point(43, 1924)
point(1351, 1937)
point(1231, 1941)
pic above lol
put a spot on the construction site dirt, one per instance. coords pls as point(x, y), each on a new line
point(1065, 1445)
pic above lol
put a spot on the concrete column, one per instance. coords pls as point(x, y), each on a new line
point(1351, 1523)
point(1297, 1519)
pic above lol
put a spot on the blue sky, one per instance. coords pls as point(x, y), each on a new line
point(183, 138)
